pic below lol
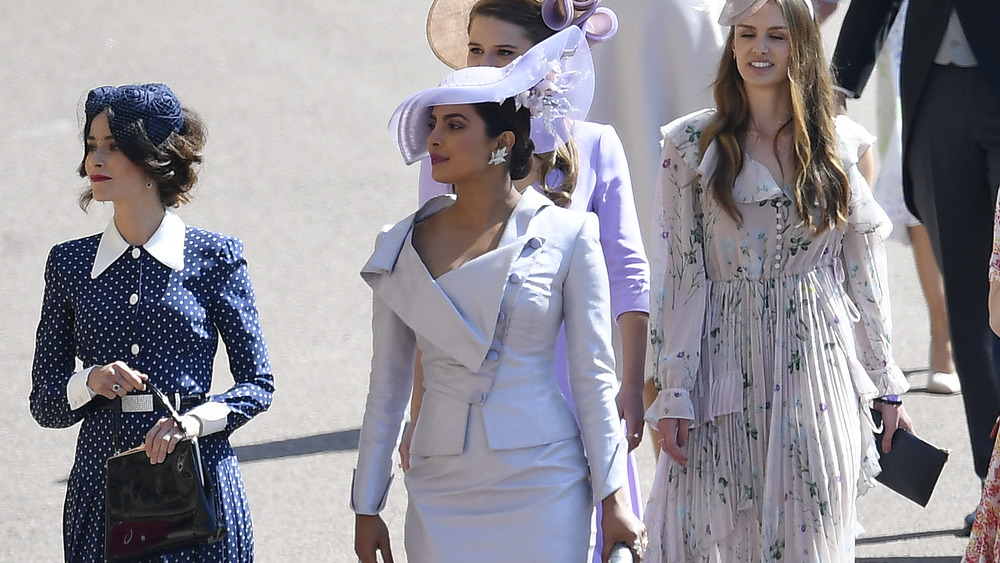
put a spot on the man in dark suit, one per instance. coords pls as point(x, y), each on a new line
point(950, 96)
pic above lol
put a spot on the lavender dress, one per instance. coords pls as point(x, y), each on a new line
point(603, 187)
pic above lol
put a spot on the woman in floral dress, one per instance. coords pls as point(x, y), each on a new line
point(770, 319)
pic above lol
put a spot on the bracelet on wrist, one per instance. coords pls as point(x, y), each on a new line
point(894, 400)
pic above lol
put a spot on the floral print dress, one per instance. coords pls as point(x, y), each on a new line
point(771, 339)
point(984, 544)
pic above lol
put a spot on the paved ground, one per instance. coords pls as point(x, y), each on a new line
point(296, 97)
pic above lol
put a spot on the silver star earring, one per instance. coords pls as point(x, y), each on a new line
point(498, 156)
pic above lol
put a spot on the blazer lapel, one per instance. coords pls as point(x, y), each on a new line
point(399, 278)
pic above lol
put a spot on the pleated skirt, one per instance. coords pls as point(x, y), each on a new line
point(778, 479)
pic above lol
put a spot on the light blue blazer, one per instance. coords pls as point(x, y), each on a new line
point(493, 346)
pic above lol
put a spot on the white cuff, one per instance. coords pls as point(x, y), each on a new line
point(77, 391)
point(846, 92)
point(213, 416)
point(671, 403)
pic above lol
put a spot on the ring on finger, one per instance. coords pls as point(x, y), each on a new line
point(637, 545)
point(116, 388)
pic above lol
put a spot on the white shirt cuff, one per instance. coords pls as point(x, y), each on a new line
point(846, 92)
point(213, 416)
point(77, 391)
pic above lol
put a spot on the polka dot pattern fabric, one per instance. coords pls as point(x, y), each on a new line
point(167, 324)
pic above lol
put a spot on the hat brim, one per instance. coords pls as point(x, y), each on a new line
point(448, 31)
point(479, 84)
point(736, 11)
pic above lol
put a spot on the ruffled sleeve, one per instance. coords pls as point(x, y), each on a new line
point(865, 214)
point(679, 280)
point(865, 265)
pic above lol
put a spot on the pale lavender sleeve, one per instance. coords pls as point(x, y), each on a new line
point(621, 239)
point(429, 187)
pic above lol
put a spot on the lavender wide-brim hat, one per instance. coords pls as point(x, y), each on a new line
point(562, 63)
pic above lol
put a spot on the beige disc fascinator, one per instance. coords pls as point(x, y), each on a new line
point(448, 30)
point(448, 24)
point(554, 80)
point(736, 11)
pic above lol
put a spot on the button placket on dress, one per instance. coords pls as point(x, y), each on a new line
point(134, 347)
point(780, 220)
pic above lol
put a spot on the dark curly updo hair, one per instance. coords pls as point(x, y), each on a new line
point(154, 131)
point(506, 117)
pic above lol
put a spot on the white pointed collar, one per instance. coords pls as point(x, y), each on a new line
point(166, 245)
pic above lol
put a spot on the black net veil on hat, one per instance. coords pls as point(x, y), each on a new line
point(141, 116)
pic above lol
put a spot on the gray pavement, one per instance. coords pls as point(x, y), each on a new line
point(298, 164)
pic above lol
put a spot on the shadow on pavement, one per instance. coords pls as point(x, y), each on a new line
point(306, 445)
point(915, 559)
point(955, 532)
point(909, 536)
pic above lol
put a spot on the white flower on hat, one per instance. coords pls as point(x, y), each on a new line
point(547, 99)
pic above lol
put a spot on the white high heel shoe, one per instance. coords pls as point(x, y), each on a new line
point(943, 383)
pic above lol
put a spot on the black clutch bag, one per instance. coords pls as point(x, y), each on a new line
point(912, 466)
point(155, 508)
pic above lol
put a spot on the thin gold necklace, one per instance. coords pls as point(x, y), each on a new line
point(756, 129)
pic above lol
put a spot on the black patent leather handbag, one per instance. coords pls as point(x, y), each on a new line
point(156, 508)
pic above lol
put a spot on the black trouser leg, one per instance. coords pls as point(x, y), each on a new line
point(953, 165)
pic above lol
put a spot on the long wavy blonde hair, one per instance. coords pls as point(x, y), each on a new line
point(821, 187)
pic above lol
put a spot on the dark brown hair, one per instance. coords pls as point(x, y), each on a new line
point(525, 14)
point(506, 117)
point(172, 165)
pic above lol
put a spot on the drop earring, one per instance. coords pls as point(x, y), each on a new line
point(499, 156)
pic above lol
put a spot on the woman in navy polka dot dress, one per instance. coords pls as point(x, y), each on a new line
point(147, 300)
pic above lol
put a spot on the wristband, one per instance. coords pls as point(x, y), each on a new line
point(890, 400)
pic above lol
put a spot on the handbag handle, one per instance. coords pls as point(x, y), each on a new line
point(160, 396)
point(166, 402)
